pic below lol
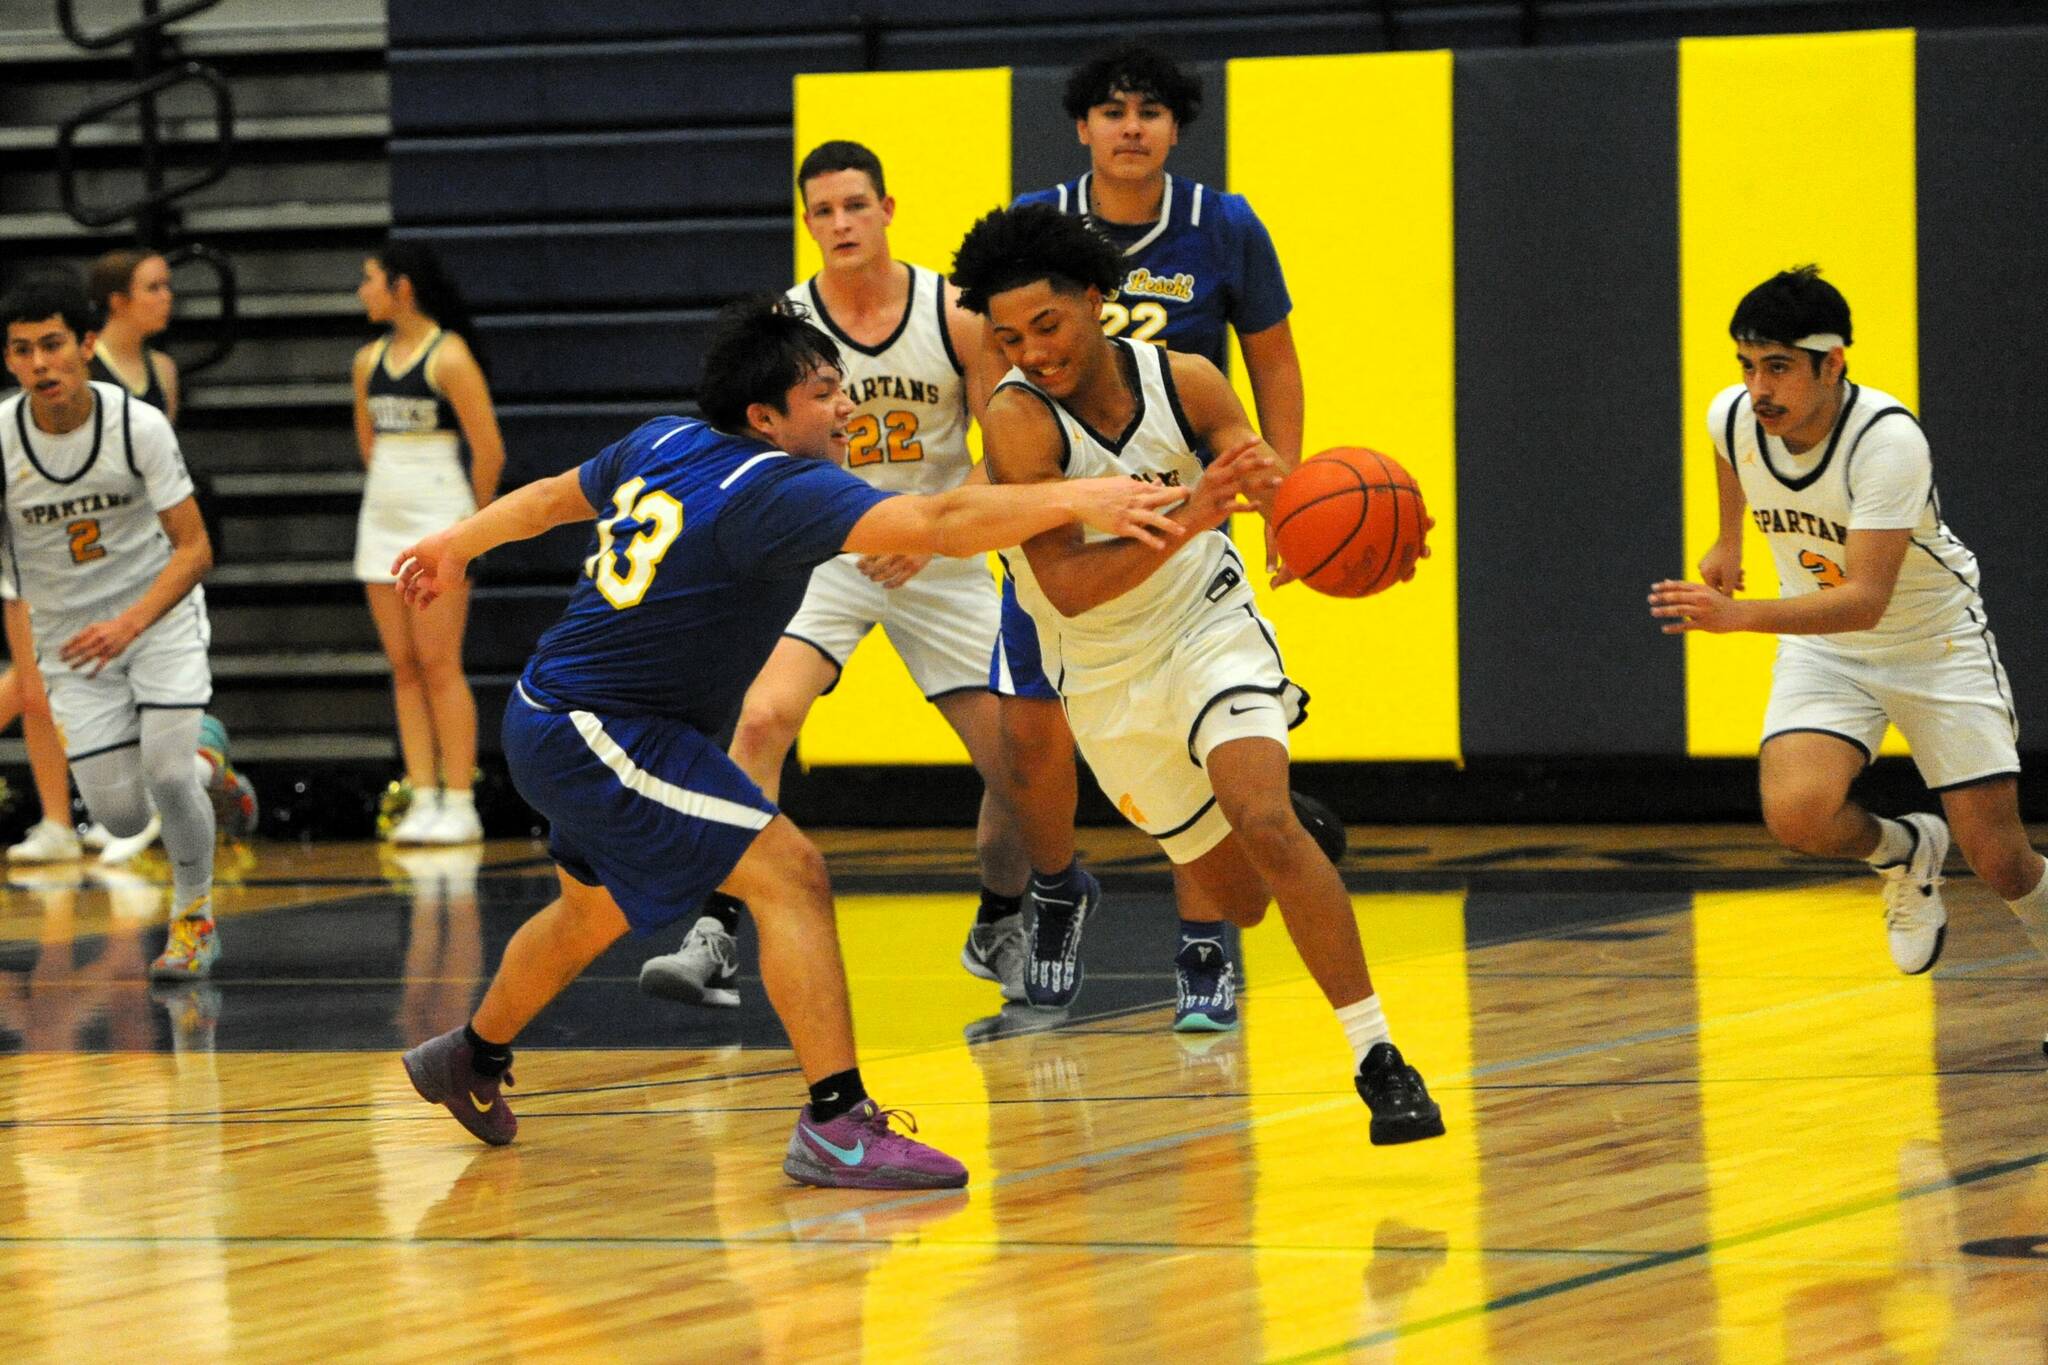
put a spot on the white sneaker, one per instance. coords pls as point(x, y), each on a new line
point(420, 817)
point(1913, 913)
point(96, 837)
point(704, 971)
point(119, 851)
point(455, 822)
point(47, 842)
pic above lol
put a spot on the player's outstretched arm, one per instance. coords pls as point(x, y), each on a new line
point(974, 518)
point(1870, 571)
point(438, 562)
point(1025, 447)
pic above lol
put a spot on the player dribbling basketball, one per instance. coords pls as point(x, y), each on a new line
point(1171, 680)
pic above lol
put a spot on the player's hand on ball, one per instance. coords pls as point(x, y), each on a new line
point(1242, 479)
point(892, 571)
point(99, 644)
point(1721, 568)
point(1428, 525)
point(428, 569)
point(1127, 507)
point(1688, 606)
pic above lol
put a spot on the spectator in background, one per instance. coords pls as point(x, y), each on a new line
point(429, 439)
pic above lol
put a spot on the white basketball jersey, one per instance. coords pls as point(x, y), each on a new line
point(1871, 473)
point(908, 433)
point(1158, 447)
point(81, 508)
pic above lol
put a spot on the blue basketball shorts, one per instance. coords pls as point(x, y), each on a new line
point(1016, 669)
point(647, 807)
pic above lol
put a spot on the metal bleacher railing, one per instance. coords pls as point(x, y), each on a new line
point(159, 66)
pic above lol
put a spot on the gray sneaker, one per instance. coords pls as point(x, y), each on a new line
point(704, 971)
point(996, 952)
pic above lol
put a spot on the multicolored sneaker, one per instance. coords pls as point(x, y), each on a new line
point(704, 971)
point(1205, 983)
point(1052, 978)
point(996, 952)
point(441, 1071)
point(860, 1151)
point(1402, 1110)
point(191, 951)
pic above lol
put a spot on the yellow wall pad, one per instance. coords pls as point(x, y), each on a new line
point(1348, 162)
point(1791, 150)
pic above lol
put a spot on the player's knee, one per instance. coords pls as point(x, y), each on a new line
point(1798, 818)
point(767, 726)
point(1272, 836)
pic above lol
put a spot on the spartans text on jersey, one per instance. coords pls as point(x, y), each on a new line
point(1787, 522)
point(43, 514)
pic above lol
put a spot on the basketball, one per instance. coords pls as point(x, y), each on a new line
point(1350, 522)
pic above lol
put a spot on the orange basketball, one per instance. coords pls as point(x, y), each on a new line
point(1350, 522)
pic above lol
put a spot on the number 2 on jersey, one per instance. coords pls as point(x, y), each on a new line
point(85, 541)
point(865, 443)
point(655, 520)
point(1144, 319)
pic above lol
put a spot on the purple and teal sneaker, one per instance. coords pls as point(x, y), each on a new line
point(1205, 987)
point(860, 1151)
point(440, 1070)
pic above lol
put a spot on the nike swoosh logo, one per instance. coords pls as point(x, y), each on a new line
point(848, 1156)
point(1240, 710)
point(480, 1104)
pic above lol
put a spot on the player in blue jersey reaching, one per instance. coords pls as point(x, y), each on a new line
point(1197, 263)
point(707, 532)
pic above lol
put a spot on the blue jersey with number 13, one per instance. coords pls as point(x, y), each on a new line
point(704, 545)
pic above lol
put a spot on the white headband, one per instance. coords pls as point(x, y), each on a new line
point(1820, 341)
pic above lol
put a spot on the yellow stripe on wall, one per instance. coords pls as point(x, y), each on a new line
point(1791, 150)
point(1348, 162)
point(944, 141)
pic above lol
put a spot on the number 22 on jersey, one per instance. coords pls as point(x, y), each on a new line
point(650, 523)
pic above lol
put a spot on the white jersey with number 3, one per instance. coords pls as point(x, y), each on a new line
point(908, 433)
point(1872, 473)
point(1160, 447)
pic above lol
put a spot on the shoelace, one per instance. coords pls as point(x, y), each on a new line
point(877, 1119)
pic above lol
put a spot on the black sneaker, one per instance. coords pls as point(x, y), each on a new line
point(1402, 1110)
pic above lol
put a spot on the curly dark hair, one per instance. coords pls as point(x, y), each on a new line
point(1134, 69)
point(1012, 247)
point(761, 347)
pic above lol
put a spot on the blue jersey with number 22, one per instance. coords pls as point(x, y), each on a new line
point(704, 545)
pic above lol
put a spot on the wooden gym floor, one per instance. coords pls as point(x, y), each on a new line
point(1694, 1116)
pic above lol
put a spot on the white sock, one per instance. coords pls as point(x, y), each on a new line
point(453, 798)
point(2032, 911)
point(1364, 1025)
point(1895, 844)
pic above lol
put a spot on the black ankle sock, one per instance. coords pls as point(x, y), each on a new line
point(489, 1059)
point(725, 909)
point(994, 907)
point(836, 1094)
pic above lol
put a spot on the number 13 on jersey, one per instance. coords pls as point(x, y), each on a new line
point(650, 521)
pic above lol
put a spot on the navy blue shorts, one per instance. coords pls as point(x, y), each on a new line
point(1015, 669)
point(647, 807)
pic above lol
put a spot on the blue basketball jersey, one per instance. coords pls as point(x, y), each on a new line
point(703, 547)
point(1206, 264)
